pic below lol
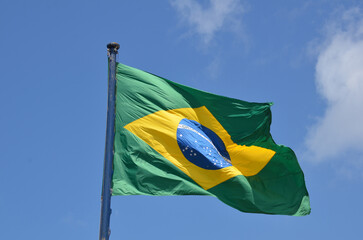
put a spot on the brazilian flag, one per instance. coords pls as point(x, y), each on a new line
point(175, 140)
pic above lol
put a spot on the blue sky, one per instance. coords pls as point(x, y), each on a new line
point(305, 56)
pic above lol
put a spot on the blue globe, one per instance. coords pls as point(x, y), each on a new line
point(201, 146)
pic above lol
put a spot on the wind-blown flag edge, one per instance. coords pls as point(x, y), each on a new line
point(139, 169)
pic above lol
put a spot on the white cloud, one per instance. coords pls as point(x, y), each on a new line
point(220, 14)
point(339, 80)
point(72, 220)
point(213, 69)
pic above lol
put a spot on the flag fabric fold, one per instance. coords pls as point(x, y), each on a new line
point(171, 139)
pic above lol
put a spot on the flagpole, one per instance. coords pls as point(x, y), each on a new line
point(109, 151)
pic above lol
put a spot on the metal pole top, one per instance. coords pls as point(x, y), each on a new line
point(113, 45)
